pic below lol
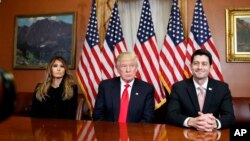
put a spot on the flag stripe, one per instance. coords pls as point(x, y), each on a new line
point(147, 62)
point(167, 54)
point(191, 47)
point(114, 44)
point(88, 71)
point(120, 47)
point(148, 55)
point(200, 38)
point(175, 59)
point(107, 62)
point(172, 55)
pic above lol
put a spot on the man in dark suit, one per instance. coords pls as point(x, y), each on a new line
point(140, 102)
point(184, 108)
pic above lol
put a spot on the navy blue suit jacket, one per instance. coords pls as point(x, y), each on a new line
point(141, 103)
point(183, 102)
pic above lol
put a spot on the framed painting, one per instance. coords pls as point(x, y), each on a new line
point(38, 38)
point(238, 35)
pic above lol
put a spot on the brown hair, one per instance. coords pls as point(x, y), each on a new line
point(67, 82)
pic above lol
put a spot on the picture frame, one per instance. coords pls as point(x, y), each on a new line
point(238, 35)
point(39, 38)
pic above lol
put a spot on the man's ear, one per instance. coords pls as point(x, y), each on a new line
point(211, 66)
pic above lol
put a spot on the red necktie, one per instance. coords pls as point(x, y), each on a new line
point(201, 97)
point(124, 105)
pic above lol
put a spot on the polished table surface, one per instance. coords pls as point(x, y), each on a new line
point(29, 129)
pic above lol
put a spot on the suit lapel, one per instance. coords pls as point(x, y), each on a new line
point(209, 95)
point(192, 94)
point(133, 98)
point(116, 97)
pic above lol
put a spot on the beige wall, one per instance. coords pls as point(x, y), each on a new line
point(236, 74)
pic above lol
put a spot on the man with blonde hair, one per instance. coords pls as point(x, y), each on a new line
point(125, 98)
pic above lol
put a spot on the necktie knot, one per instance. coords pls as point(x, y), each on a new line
point(201, 90)
point(126, 86)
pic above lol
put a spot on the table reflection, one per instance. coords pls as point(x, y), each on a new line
point(86, 131)
point(192, 134)
point(30, 129)
point(107, 131)
point(53, 130)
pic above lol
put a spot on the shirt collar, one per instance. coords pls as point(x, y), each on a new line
point(203, 86)
point(124, 83)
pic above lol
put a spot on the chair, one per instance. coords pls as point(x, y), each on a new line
point(241, 107)
point(23, 103)
point(82, 112)
point(79, 108)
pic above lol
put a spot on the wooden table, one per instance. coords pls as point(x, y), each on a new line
point(29, 129)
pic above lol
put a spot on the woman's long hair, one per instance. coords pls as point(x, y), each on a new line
point(67, 82)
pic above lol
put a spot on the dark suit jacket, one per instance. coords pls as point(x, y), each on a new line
point(183, 102)
point(141, 103)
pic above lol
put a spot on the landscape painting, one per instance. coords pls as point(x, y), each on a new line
point(243, 34)
point(41, 37)
point(238, 34)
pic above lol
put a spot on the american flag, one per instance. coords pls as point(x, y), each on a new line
point(89, 68)
point(114, 44)
point(172, 55)
point(200, 37)
point(147, 52)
